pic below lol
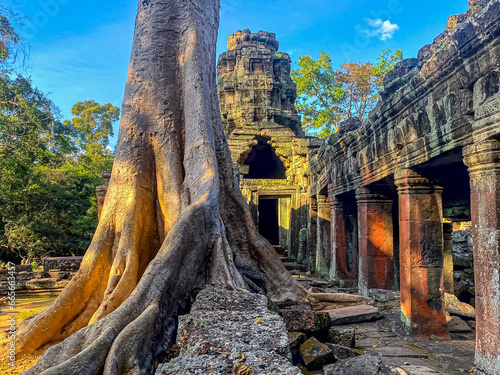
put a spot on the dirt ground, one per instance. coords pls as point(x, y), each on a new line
point(24, 308)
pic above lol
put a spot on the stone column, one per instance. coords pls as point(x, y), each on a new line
point(483, 160)
point(376, 241)
point(323, 244)
point(337, 237)
point(313, 233)
point(421, 255)
point(284, 216)
point(449, 283)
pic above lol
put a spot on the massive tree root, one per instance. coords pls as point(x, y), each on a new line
point(174, 219)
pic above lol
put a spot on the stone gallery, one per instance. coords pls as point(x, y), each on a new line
point(230, 242)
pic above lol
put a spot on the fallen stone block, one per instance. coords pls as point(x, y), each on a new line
point(303, 320)
point(471, 323)
point(295, 267)
point(457, 325)
point(255, 363)
point(342, 335)
point(295, 340)
point(315, 354)
point(353, 314)
point(343, 352)
point(47, 283)
point(456, 307)
point(231, 332)
point(363, 365)
point(382, 295)
point(318, 296)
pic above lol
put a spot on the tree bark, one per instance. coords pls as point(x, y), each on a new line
point(174, 218)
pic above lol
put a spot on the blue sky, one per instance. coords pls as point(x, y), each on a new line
point(80, 49)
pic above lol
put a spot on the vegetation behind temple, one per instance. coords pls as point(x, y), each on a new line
point(327, 97)
point(49, 171)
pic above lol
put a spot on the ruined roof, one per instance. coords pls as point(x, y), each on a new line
point(246, 38)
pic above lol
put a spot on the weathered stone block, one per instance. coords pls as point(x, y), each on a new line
point(303, 320)
point(456, 307)
point(342, 335)
point(366, 365)
point(342, 352)
point(315, 354)
point(457, 325)
point(227, 332)
point(353, 314)
point(48, 283)
point(296, 339)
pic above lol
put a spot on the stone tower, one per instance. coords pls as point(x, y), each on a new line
point(255, 87)
point(257, 100)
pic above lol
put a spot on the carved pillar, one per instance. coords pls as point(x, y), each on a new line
point(313, 225)
point(449, 283)
point(483, 160)
point(323, 239)
point(376, 241)
point(421, 255)
point(344, 240)
point(337, 237)
point(284, 218)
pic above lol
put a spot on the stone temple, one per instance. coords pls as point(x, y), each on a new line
point(268, 147)
point(377, 206)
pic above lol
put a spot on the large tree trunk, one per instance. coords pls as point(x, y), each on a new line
point(174, 218)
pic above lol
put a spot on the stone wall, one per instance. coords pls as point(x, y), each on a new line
point(463, 266)
point(48, 280)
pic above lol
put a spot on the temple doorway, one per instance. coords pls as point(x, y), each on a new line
point(269, 220)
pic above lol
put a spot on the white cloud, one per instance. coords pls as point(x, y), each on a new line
point(382, 29)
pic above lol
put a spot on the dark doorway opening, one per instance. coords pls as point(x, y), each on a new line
point(268, 220)
point(264, 163)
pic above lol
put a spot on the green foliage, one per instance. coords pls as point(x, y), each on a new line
point(93, 122)
point(92, 127)
point(319, 94)
point(327, 96)
point(47, 180)
point(385, 63)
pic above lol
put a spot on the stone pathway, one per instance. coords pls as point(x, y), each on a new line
point(381, 338)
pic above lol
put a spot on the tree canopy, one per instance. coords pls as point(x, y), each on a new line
point(48, 175)
point(12, 45)
point(327, 96)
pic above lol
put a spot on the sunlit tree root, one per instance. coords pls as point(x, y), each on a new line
point(174, 219)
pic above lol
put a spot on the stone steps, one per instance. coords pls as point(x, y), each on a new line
point(292, 266)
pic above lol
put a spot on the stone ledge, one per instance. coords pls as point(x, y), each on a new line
point(227, 329)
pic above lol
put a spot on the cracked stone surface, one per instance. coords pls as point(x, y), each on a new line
point(226, 329)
